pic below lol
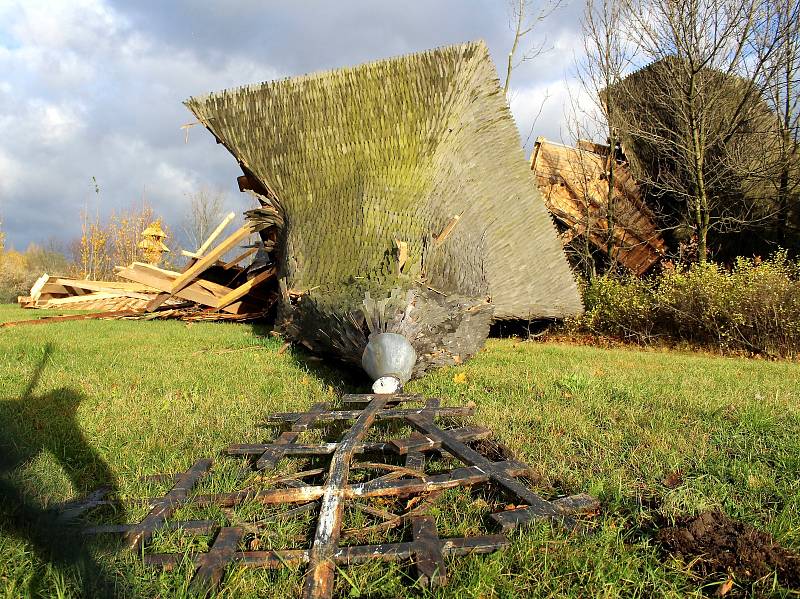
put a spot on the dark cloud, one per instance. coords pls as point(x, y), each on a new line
point(94, 89)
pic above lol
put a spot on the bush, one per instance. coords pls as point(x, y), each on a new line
point(19, 271)
point(754, 306)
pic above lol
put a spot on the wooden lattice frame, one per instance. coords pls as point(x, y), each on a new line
point(426, 549)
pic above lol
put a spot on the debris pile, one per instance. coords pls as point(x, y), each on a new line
point(574, 184)
point(209, 287)
point(361, 487)
point(65, 293)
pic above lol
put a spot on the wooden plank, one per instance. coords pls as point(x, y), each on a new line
point(319, 577)
point(214, 234)
point(428, 552)
point(36, 288)
point(95, 295)
point(105, 285)
point(272, 455)
point(157, 516)
point(245, 288)
point(210, 259)
point(382, 415)
point(162, 280)
point(212, 565)
point(245, 254)
point(539, 508)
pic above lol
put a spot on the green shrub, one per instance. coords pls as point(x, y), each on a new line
point(754, 306)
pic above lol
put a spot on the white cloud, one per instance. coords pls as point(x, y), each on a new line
point(91, 89)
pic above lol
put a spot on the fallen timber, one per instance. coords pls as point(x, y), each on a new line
point(207, 288)
point(422, 546)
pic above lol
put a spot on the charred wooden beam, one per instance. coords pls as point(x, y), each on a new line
point(139, 534)
point(538, 507)
point(382, 415)
point(415, 442)
point(319, 577)
point(577, 505)
point(193, 526)
point(73, 509)
point(356, 554)
point(272, 455)
point(211, 565)
point(362, 399)
point(428, 551)
point(468, 476)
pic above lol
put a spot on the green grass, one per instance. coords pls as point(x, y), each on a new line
point(122, 399)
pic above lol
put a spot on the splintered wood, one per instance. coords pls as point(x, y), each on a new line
point(575, 185)
point(208, 288)
point(342, 487)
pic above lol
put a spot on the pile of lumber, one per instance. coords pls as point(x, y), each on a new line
point(208, 287)
point(66, 293)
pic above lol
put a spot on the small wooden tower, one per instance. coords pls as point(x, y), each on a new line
point(152, 243)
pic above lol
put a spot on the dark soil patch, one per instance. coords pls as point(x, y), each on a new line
point(724, 546)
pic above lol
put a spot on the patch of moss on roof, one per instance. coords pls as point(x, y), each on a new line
point(394, 150)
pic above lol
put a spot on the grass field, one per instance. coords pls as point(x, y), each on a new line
point(85, 403)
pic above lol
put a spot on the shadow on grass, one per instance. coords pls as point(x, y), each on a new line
point(32, 424)
point(343, 378)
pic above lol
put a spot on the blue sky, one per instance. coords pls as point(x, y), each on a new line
point(94, 88)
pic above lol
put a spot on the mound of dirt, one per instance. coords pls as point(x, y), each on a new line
point(718, 544)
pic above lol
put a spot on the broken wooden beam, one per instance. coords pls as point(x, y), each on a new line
point(319, 577)
point(214, 234)
point(245, 288)
point(382, 415)
point(210, 259)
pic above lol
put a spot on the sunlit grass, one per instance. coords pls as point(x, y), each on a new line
point(152, 397)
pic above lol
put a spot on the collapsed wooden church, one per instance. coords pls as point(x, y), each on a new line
point(575, 185)
point(395, 197)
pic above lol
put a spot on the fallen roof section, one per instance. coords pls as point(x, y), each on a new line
point(574, 184)
point(418, 153)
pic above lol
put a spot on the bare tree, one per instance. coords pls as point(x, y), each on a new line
point(578, 239)
point(206, 210)
point(782, 91)
point(526, 15)
point(608, 56)
point(698, 95)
